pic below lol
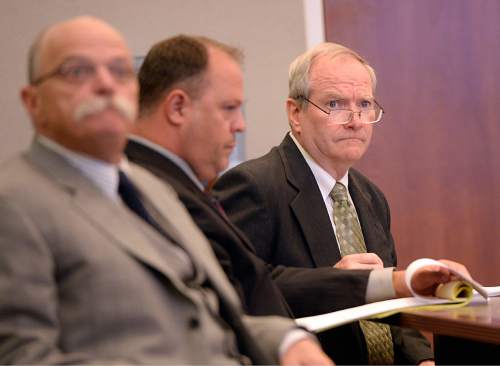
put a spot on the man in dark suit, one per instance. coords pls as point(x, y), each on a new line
point(190, 98)
point(100, 261)
point(284, 202)
point(161, 149)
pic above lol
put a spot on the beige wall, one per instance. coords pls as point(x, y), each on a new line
point(271, 33)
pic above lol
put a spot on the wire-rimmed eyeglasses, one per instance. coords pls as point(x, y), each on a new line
point(78, 70)
point(370, 112)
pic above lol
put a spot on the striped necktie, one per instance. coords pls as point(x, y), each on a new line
point(350, 239)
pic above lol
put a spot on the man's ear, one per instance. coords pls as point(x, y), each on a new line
point(31, 101)
point(29, 98)
point(176, 106)
point(293, 110)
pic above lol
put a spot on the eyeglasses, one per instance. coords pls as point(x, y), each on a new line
point(370, 112)
point(80, 70)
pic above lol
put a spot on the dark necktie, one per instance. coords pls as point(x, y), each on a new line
point(350, 239)
point(132, 199)
point(216, 204)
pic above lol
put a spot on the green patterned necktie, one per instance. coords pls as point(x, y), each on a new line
point(350, 238)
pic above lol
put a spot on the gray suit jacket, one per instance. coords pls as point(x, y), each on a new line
point(83, 279)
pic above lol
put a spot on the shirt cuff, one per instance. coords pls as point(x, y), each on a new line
point(380, 285)
point(293, 336)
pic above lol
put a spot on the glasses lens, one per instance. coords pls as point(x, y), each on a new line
point(77, 72)
point(376, 116)
point(121, 71)
point(340, 116)
point(369, 116)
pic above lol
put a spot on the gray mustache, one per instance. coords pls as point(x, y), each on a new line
point(98, 104)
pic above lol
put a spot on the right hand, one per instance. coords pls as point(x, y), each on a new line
point(360, 261)
point(427, 279)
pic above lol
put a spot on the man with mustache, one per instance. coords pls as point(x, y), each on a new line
point(100, 261)
point(310, 215)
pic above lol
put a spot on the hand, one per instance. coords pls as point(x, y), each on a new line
point(427, 363)
point(305, 352)
point(360, 261)
point(425, 281)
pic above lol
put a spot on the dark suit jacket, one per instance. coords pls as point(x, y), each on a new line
point(248, 273)
point(275, 200)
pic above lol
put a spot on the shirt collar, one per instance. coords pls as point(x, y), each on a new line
point(104, 175)
point(181, 163)
point(324, 180)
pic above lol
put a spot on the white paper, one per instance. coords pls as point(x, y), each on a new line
point(419, 263)
point(322, 322)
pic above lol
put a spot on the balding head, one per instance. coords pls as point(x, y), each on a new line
point(83, 91)
point(51, 36)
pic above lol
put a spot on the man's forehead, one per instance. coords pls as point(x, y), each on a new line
point(342, 72)
point(341, 87)
point(82, 36)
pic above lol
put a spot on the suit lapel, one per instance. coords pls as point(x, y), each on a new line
point(308, 206)
point(111, 218)
point(169, 171)
point(176, 220)
point(374, 234)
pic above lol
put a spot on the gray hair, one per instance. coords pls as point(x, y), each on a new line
point(298, 75)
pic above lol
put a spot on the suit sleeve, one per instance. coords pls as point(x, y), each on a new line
point(269, 332)
point(29, 328)
point(249, 205)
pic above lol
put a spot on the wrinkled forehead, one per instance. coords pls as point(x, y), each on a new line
point(342, 73)
point(87, 38)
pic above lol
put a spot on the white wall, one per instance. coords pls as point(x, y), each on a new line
point(270, 32)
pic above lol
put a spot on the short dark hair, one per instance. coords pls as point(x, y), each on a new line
point(180, 61)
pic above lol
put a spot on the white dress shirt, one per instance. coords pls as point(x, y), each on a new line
point(379, 285)
point(103, 174)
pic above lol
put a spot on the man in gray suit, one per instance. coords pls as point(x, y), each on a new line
point(93, 269)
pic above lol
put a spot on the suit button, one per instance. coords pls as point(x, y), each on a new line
point(193, 323)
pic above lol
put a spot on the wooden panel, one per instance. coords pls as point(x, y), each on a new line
point(436, 152)
point(477, 321)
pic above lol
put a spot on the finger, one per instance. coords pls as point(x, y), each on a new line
point(460, 268)
point(433, 274)
point(375, 259)
point(366, 258)
point(350, 263)
point(425, 280)
point(357, 266)
point(369, 266)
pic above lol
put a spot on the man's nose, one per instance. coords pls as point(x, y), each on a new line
point(355, 121)
point(104, 81)
point(239, 123)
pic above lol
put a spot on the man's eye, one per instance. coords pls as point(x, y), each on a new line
point(366, 104)
point(231, 107)
point(334, 104)
point(121, 71)
point(77, 71)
